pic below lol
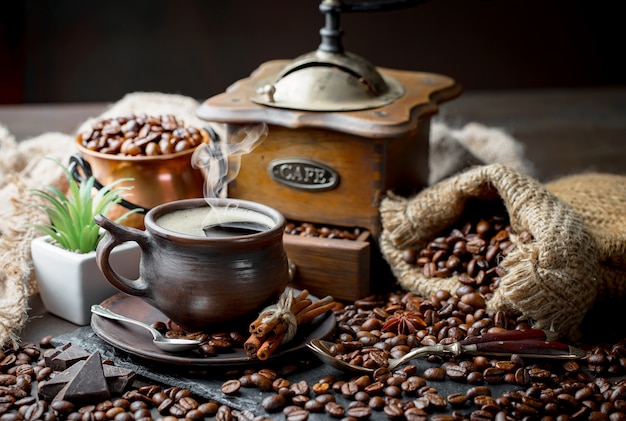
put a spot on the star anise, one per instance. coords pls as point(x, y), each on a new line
point(404, 323)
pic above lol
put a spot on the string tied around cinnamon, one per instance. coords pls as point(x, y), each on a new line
point(281, 312)
point(278, 323)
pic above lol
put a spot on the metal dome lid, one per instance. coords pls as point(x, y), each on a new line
point(331, 79)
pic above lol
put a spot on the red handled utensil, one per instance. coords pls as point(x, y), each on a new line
point(531, 343)
point(513, 335)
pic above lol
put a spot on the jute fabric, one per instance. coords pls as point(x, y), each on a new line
point(575, 260)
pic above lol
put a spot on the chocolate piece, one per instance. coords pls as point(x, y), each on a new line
point(118, 378)
point(48, 389)
point(88, 385)
point(66, 358)
point(51, 353)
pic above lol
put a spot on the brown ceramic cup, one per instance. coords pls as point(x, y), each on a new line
point(197, 280)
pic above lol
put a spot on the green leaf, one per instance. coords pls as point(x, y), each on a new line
point(72, 214)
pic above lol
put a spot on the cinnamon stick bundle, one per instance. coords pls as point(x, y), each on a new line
point(267, 333)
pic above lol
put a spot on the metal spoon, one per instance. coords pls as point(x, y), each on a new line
point(531, 348)
point(166, 344)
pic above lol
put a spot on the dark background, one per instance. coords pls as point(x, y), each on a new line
point(88, 50)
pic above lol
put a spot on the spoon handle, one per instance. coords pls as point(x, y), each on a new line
point(512, 335)
point(105, 312)
point(438, 349)
point(536, 348)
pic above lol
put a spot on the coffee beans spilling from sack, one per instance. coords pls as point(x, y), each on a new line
point(141, 135)
point(471, 249)
point(573, 264)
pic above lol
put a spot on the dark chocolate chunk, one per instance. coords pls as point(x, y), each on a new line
point(66, 358)
point(48, 389)
point(88, 386)
point(49, 354)
point(118, 378)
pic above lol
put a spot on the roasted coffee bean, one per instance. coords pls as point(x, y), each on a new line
point(224, 413)
point(359, 412)
point(539, 374)
point(314, 405)
point(188, 403)
point(477, 391)
point(193, 414)
point(231, 387)
point(162, 408)
point(62, 406)
point(475, 377)
point(349, 389)
point(522, 377)
point(297, 415)
point(434, 374)
point(208, 409)
point(280, 383)
point(412, 384)
point(376, 402)
point(361, 396)
point(300, 388)
point(393, 411)
point(415, 414)
point(481, 415)
point(178, 411)
point(7, 379)
point(494, 375)
point(334, 409)
point(273, 403)
point(35, 411)
point(393, 391)
point(137, 405)
point(456, 372)
point(46, 341)
point(456, 399)
point(262, 382)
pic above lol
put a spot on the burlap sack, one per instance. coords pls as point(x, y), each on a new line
point(454, 149)
point(576, 257)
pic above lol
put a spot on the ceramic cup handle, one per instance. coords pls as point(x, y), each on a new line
point(116, 235)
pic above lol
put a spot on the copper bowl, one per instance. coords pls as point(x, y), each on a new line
point(156, 179)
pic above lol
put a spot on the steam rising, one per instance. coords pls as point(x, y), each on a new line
point(220, 159)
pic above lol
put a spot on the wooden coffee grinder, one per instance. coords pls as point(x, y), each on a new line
point(341, 134)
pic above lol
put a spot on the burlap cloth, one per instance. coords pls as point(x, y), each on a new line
point(576, 260)
point(22, 166)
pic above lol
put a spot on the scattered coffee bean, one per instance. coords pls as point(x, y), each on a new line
point(231, 387)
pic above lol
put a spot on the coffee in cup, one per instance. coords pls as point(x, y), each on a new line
point(197, 279)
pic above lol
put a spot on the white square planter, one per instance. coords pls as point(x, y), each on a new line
point(69, 283)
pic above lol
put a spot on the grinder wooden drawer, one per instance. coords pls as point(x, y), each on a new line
point(340, 268)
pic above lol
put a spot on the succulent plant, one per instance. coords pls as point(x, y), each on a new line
point(71, 224)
